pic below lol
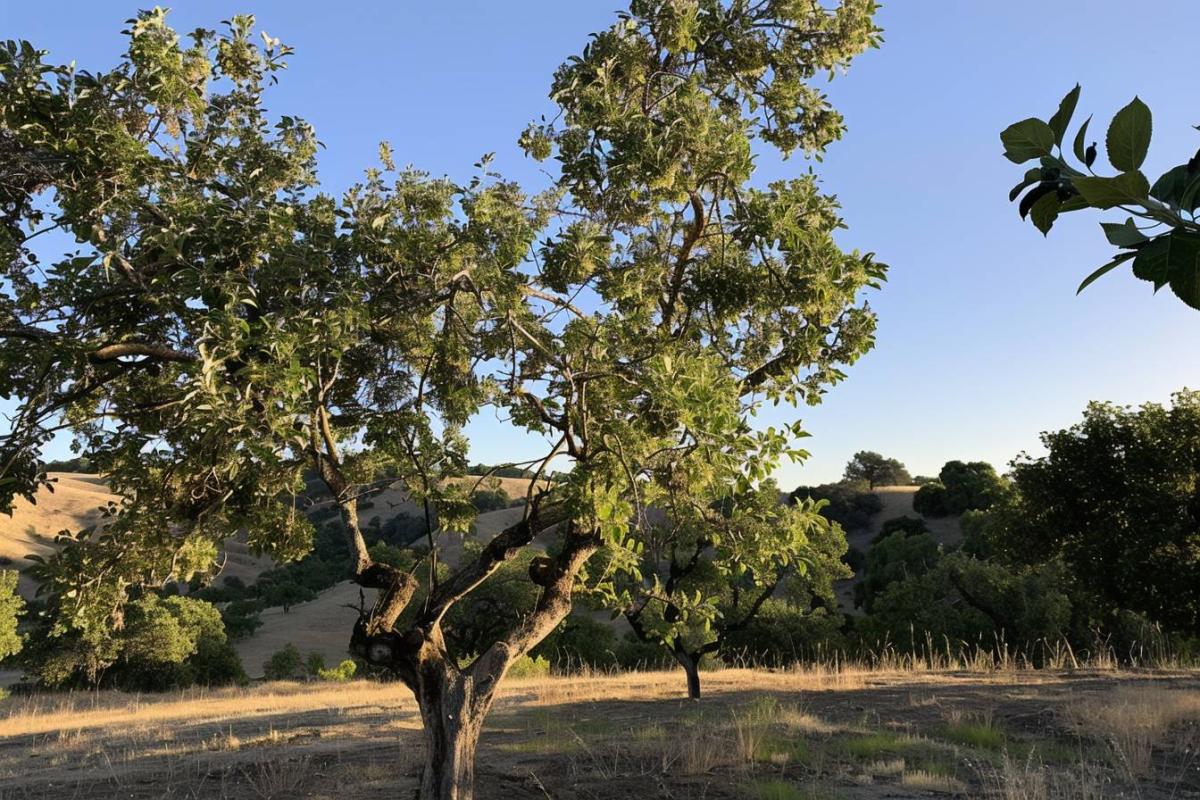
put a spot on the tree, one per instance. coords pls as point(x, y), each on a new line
point(1161, 236)
point(960, 487)
point(284, 664)
point(1116, 498)
point(844, 503)
point(224, 330)
point(705, 573)
point(11, 606)
point(875, 470)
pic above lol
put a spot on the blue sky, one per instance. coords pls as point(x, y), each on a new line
point(982, 342)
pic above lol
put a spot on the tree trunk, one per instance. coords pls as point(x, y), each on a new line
point(691, 667)
point(453, 705)
point(452, 727)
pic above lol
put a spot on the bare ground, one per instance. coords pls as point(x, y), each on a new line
point(849, 734)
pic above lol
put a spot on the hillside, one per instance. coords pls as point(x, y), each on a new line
point(897, 502)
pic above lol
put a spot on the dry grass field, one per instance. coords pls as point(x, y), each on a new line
point(848, 733)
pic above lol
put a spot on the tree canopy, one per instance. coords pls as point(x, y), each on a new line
point(876, 470)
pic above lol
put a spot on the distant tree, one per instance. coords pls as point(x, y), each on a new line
point(845, 503)
point(960, 487)
point(931, 500)
point(1161, 237)
point(706, 573)
point(486, 500)
point(11, 607)
point(1116, 498)
point(893, 559)
point(875, 470)
point(284, 664)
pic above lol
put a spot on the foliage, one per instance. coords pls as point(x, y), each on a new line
point(343, 672)
point(11, 607)
point(893, 559)
point(528, 666)
point(1118, 488)
point(785, 633)
point(708, 571)
point(284, 664)
point(166, 642)
point(960, 487)
point(845, 504)
point(876, 470)
point(909, 526)
point(932, 500)
point(1161, 236)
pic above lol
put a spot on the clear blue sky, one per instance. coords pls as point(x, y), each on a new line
point(982, 342)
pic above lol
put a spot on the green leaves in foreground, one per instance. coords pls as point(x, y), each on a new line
point(1161, 237)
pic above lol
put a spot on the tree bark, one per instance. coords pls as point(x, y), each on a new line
point(691, 667)
point(452, 715)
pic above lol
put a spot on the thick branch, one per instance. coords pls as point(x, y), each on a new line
point(157, 352)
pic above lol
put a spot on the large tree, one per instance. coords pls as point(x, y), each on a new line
point(220, 326)
point(1160, 235)
point(1116, 499)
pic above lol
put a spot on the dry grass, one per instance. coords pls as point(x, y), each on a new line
point(1135, 720)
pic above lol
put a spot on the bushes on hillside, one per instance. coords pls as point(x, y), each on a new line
point(909, 526)
point(846, 505)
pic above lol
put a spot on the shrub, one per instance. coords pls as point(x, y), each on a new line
point(486, 500)
point(909, 526)
point(342, 673)
point(931, 500)
point(314, 664)
point(528, 667)
point(581, 642)
point(284, 665)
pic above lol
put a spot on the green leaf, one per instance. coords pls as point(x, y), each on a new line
point(1125, 234)
point(1031, 177)
point(1128, 187)
point(1062, 117)
point(1184, 266)
point(1044, 212)
point(1153, 261)
point(1028, 139)
point(1109, 267)
point(1128, 137)
point(1080, 147)
point(1170, 185)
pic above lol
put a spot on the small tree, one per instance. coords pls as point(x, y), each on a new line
point(873, 469)
point(706, 573)
point(1160, 237)
point(284, 664)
